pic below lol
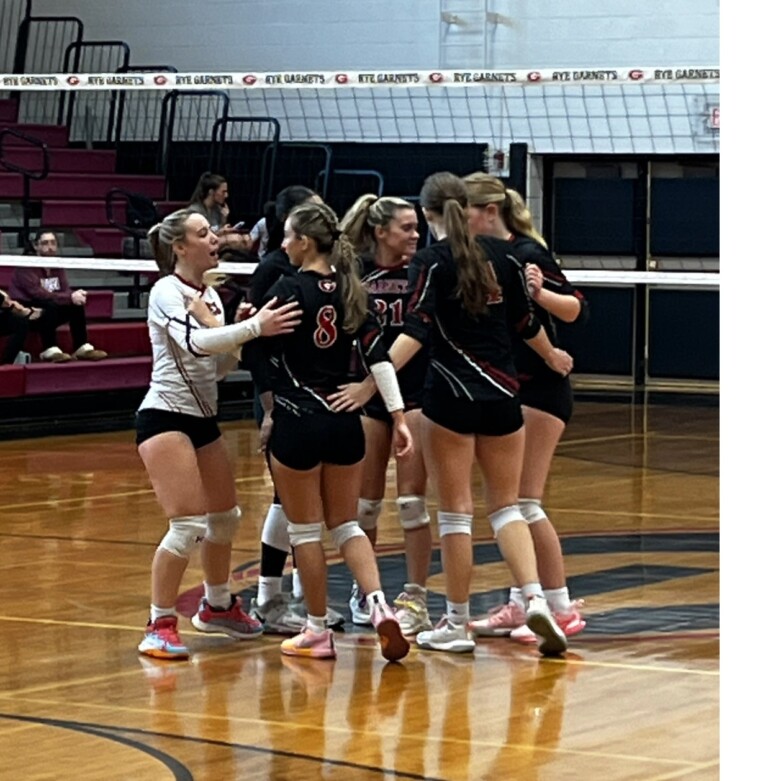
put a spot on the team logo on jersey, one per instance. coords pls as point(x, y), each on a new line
point(327, 285)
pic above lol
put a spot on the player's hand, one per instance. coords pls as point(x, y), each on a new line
point(402, 440)
point(560, 361)
point(244, 311)
point(265, 431)
point(534, 280)
point(276, 320)
point(351, 397)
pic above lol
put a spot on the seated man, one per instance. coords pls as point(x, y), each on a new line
point(14, 323)
point(49, 290)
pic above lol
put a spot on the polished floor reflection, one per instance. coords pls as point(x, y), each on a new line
point(634, 491)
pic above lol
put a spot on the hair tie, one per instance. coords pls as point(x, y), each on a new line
point(335, 234)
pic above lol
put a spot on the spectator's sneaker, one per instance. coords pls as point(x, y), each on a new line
point(233, 621)
point(358, 606)
point(393, 645)
point(315, 645)
point(500, 621)
point(278, 615)
point(55, 355)
point(571, 621)
point(87, 352)
point(162, 641)
point(411, 610)
point(541, 621)
point(454, 638)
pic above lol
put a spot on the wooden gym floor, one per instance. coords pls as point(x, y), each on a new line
point(634, 491)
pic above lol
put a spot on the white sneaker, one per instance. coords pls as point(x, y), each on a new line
point(358, 606)
point(540, 620)
point(278, 616)
point(411, 610)
point(55, 355)
point(454, 638)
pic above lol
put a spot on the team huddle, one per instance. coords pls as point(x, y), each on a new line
point(362, 347)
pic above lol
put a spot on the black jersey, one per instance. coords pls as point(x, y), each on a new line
point(530, 365)
point(471, 357)
point(269, 269)
point(388, 289)
point(310, 363)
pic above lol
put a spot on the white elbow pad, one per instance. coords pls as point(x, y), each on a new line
point(386, 381)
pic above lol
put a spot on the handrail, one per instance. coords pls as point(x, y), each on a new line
point(26, 173)
point(168, 119)
point(219, 139)
point(77, 47)
point(22, 41)
point(118, 129)
point(32, 141)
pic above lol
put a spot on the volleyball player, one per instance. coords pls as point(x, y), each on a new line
point(546, 396)
point(280, 611)
point(468, 297)
point(316, 455)
point(177, 435)
point(385, 233)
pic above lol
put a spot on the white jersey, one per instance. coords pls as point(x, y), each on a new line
point(183, 378)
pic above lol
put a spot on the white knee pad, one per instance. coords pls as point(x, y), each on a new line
point(368, 511)
point(505, 515)
point(413, 512)
point(184, 534)
point(304, 533)
point(222, 527)
point(454, 523)
point(532, 510)
point(344, 533)
point(275, 529)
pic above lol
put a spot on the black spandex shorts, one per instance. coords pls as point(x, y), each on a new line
point(150, 422)
point(304, 441)
point(488, 418)
point(553, 395)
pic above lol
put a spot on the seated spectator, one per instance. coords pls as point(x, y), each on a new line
point(210, 200)
point(14, 323)
point(49, 290)
point(260, 231)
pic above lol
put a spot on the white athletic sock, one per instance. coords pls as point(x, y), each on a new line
point(558, 599)
point(458, 612)
point(156, 612)
point(316, 624)
point(218, 596)
point(516, 597)
point(532, 590)
point(269, 587)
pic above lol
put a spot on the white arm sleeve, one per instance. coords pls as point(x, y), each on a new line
point(226, 338)
point(226, 362)
point(385, 377)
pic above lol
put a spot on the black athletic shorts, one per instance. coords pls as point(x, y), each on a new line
point(304, 441)
point(553, 395)
point(201, 431)
point(488, 418)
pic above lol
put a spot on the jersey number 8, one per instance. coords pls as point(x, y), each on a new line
point(326, 332)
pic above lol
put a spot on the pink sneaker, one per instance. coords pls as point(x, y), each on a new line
point(162, 641)
point(234, 622)
point(393, 645)
point(315, 645)
point(571, 621)
point(500, 621)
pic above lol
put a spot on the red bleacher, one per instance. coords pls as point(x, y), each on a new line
point(72, 198)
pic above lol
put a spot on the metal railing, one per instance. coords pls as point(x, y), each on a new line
point(239, 151)
point(28, 174)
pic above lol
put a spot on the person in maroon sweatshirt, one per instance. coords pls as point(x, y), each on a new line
point(49, 290)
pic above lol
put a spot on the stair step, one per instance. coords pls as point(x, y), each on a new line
point(68, 186)
point(53, 135)
point(79, 213)
point(81, 376)
point(8, 111)
point(12, 381)
point(80, 161)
